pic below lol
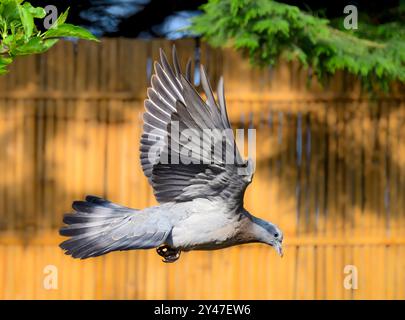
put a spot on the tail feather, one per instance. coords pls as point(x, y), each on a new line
point(104, 203)
point(99, 226)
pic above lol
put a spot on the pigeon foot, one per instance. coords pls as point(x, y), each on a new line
point(169, 254)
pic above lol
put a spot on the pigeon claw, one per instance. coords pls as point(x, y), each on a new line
point(169, 254)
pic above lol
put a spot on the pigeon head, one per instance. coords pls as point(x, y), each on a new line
point(268, 233)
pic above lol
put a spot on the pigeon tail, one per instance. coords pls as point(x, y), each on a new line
point(99, 226)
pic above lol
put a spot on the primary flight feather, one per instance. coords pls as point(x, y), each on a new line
point(190, 158)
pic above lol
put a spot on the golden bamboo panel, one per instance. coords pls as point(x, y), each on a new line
point(330, 171)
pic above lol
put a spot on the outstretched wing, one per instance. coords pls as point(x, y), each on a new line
point(188, 148)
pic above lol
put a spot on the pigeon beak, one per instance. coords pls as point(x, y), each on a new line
point(279, 249)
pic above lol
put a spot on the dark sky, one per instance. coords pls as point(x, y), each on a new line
point(130, 18)
point(163, 18)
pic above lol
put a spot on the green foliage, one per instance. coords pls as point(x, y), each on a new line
point(20, 36)
point(267, 31)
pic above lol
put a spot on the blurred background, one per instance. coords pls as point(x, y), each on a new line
point(330, 159)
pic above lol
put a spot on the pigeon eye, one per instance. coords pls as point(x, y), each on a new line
point(276, 235)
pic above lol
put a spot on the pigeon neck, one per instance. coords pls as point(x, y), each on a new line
point(254, 229)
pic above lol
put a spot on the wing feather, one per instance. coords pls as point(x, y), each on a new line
point(174, 103)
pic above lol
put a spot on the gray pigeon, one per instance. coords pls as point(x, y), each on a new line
point(200, 190)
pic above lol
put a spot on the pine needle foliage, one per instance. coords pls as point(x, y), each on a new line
point(268, 31)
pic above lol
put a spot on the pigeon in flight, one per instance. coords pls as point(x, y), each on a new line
point(200, 194)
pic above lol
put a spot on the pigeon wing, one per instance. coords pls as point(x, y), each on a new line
point(175, 113)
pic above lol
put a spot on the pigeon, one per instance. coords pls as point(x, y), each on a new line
point(189, 155)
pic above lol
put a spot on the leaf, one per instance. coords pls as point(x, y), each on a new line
point(27, 21)
point(33, 46)
point(36, 12)
point(62, 18)
point(4, 63)
point(69, 30)
point(250, 41)
point(9, 10)
point(9, 40)
point(19, 35)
